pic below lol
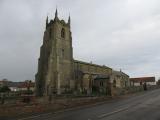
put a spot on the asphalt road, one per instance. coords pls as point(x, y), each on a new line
point(142, 106)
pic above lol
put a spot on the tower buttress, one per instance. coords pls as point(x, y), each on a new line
point(47, 21)
point(69, 20)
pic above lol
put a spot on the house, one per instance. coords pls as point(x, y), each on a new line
point(3, 82)
point(158, 82)
point(27, 85)
point(13, 86)
point(18, 86)
point(141, 80)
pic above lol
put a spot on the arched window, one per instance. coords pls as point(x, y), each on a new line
point(63, 33)
point(114, 83)
point(50, 32)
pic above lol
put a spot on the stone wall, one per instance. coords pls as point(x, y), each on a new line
point(119, 79)
point(86, 72)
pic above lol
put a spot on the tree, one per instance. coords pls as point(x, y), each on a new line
point(158, 82)
point(5, 89)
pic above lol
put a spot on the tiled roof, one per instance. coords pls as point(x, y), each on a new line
point(13, 84)
point(25, 85)
point(143, 79)
point(20, 84)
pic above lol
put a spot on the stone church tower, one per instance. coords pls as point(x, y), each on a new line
point(55, 65)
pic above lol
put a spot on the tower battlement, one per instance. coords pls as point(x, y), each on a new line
point(57, 20)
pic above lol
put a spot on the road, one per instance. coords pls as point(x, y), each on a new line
point(142, 106)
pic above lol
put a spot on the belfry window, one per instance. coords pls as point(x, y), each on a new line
point(50, 32)
point(63, 33)
point(62, 53)
point(101, 83)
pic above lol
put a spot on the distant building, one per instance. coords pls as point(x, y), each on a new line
point(18, 86)
point(141, 80)
point(27, 85)
point(158, 82)
point(13, 86)
point(3, 82)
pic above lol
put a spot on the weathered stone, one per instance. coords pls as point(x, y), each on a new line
point(58, 72)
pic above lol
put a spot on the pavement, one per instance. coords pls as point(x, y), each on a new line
point(141, 106)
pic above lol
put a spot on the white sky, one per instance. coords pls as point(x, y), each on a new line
point(122, 34)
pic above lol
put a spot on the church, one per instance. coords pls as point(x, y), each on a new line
point(59, 73)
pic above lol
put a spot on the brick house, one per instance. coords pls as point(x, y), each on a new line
point(141, 80)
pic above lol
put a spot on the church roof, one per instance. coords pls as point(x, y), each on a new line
point(87, 63)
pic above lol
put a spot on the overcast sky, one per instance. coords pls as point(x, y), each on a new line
point(121, 34)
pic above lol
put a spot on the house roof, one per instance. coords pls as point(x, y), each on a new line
point(4, 81)
point(143, 79)
point(13, 84)
point(20, 84)
point(25, 85)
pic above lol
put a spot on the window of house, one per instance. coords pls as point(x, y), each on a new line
point(63, 33)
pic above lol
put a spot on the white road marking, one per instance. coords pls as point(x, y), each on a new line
point(34, 116)
point(119, 110)
point(111, 113)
